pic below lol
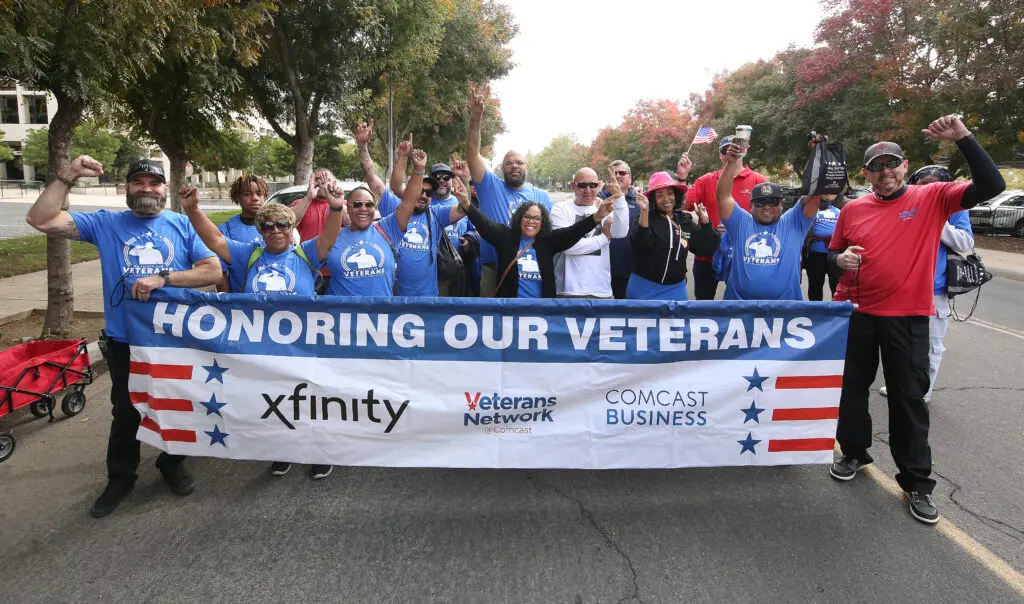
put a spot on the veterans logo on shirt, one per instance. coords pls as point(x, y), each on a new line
point(528, 266)
point(273, 277)
point(147, 254)
point(762, 249)
point(415, 240)
point(362, 259)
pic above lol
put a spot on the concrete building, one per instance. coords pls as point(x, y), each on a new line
point(21, 110)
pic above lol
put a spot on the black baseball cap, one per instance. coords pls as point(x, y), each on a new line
point(145, 167)
point(441, 168)
point(725, 142)
point(880, 149)
point(766, 190)
point(431, 181)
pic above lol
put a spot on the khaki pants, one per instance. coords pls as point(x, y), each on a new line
point(488, 280)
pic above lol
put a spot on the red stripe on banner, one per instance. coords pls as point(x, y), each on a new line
point(166, 372)
point(808, 381)
point(789, 415)
point(801, 444)
point(181, 436)
point(161, 404)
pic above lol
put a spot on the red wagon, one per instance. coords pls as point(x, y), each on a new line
point(33, 373)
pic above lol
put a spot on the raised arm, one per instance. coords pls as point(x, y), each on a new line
point(733, 167)
point(362, 134)
point(620, 214)
point(491, 231)
point(46, 214)
point(204, 227)
point(461, 193)
point(336, 198)
point(811, 203)
point(412, 189)
point(477, 102)
point(398, 170)
point(312, 190)
point(564, 238)
point(986, 180)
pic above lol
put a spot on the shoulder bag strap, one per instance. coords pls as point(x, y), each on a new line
point(510, 265)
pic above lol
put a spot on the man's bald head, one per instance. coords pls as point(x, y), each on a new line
point(584, 184)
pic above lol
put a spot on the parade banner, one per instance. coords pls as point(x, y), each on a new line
point(487, 383)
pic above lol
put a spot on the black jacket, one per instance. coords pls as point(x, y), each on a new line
point(506, 243)
point(660, 249)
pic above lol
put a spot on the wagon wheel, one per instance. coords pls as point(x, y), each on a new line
point(7, 443)
point(73, 403)
point(40, 408)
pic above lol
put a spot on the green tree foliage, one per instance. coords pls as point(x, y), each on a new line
point(272, 157)
point(6, 153)
point(558, 162)
point(89, 138)
point(337, 155)
point(34, 149)
point(651, 137)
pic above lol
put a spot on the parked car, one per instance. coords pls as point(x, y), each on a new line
point(1003, 214)
point(288, 195)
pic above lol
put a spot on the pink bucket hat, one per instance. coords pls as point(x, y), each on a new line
point(660, 180)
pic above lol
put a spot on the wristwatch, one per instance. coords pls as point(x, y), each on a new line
point(166, 274)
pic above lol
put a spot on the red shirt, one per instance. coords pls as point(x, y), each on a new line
point(312, 223)
point(704, 191)
point(900, 238)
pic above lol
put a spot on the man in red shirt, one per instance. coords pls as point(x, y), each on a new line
point(703, 191)
point(311, 214)
point(886, 243)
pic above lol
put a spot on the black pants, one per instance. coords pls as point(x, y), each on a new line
point(705, 286)
point(903, 343)
point(123, 446)
point(817, 268)
point(619, 287)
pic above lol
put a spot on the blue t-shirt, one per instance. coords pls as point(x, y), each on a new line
point(131, 248)
point(417, 253)
point(766, 258)
point(237, 230)
point(456, 230)
point(498, 201)
point(824, 225)
point(362, 263)
point(961, 221)
point(529, 271)
point(284, 273)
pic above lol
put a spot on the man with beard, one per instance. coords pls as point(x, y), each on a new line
point(584, 270)
point(141, 249)
point(888, 243)
point(767, 243)
point(498, 200)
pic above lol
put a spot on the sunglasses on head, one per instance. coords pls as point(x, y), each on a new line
point(771, 201)
point(281, 225)
point(360, 204)
point(442, 176)
point(891, 164)
point(588, 185)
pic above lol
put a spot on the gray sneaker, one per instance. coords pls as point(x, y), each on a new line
point(845, 468)
point(922, 507)
point(883, 391)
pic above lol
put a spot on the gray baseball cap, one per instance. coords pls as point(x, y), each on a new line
point(880, 149)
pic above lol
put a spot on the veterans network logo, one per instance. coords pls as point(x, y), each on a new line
point(273, 277)
point(762, 249)
point(147, 254)
point(414, 239)
point(362, 259)
point(508, 414)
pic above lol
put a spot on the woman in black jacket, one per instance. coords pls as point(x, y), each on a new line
point(662, 238)
point(527, 246)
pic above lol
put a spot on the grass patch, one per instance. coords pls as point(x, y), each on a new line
point(20, 255)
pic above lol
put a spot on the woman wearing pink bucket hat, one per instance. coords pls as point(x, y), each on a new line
point(662, 238)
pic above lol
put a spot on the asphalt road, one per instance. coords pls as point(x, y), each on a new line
point(785, 534)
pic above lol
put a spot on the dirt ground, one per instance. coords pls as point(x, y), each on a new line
point(11, 334)
point(1002, 243)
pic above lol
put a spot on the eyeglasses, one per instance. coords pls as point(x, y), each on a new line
point(532, 218)
point(442, 176)
point(428, 192)
point(621, 173)
point(891, 164)
point(771, 202)
point(589, 185)
point(281, 225)
point(361, 204)
point(514, 162)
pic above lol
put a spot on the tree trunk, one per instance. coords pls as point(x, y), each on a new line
point(60, 291)
point(303, 158)
point(178, 160)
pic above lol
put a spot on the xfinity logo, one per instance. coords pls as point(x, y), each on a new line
point(332, 408)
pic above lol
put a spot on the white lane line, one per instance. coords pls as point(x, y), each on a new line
point(996, 327)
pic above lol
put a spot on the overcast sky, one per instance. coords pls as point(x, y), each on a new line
point(581, 64)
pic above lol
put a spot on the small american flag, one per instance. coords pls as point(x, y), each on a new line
point(705, 135)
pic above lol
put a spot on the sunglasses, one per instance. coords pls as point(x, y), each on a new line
point(588, 185)
point(428, 192)
point(281, 225)
point(760, 203)
point(891, 164)
point(361, 204)
point(442, 176)
point(621, 173)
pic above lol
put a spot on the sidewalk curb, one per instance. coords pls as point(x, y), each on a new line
point(1007, 273)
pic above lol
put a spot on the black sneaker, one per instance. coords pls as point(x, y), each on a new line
point(922, 507)
point(178, 479)
point(845, 468)
point(111, 497)
point(280, 468)
point(319, 471)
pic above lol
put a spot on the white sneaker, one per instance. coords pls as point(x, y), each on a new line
point(883, 391)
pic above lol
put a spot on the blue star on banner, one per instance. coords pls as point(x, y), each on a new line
point(216, 436)
point(748, 444)
point(212, 406)
point(751, 413)
point(755, 381)
point(216, 372)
